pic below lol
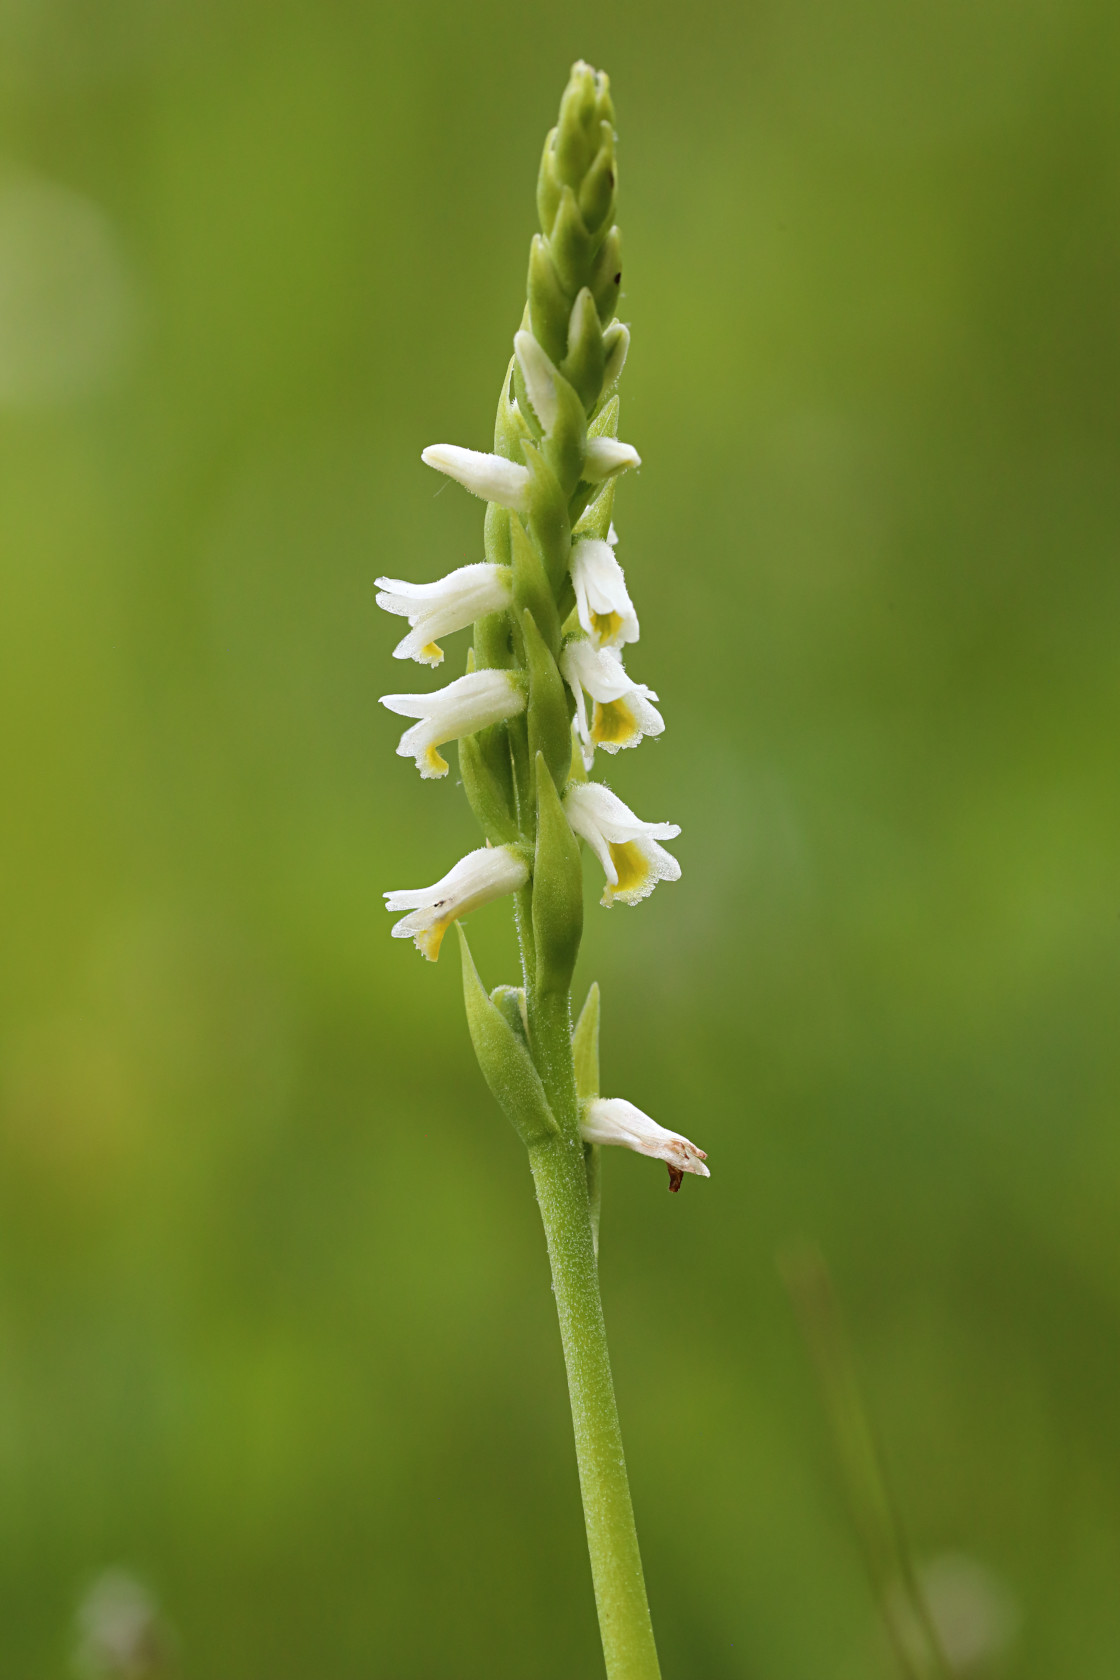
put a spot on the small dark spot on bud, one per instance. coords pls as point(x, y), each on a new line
point(610, 180)
point(618, 278)
point(676, 1179)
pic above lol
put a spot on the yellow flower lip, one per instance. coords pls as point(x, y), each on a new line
point(631, 866)
point(437, 764)
point(614, 724)
point(606, 625)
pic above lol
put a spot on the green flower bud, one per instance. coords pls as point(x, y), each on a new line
point(504, 1058)
point(606, 278)
point(549, 304)
point(616, 347)
point(584, 363)
point(549, 185)
point(576, 134)
point(511, 1001)
point(557, 889)
point(596, 194)
point(570, 244)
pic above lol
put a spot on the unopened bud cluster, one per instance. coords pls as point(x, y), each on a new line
point(545, 684)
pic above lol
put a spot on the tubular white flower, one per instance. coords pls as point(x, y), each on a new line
point(626, 846)
point(604, 606)
point(490, 872)
point(613, 1120)
point(490, 476)
point(438, 609)
point(622, 714)
point(606, 456)
point(540, 378)
point(467, 704)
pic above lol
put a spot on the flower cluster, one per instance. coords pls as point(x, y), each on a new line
point(545, 684)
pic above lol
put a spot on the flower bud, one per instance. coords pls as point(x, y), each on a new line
point(584, 362)
point(606, 279)
point(504, 1058)
point(489, 476)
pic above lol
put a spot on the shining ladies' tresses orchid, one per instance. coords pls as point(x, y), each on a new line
point(613, 1120)
point(603, 605)
point(439, 609)
point(551, 610)
point(627, 847)
point(622, 714)
point(462, 708)
point(490, 872)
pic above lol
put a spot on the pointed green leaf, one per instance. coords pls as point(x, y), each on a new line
point(504, 1059)
point(557, 889)
point(585, 1046)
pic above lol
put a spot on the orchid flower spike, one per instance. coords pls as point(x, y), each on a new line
point(490, 872)
point(623, 714)
point(439, 609)
point(613, 1120)
point(490, 476)
point(603, 604)
point(466, 705)
point(626, 846)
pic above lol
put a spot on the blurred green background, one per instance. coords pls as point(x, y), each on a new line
point(275, 1323)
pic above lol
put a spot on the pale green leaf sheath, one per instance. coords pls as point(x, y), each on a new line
point(544, 690)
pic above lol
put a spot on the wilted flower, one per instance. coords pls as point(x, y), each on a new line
point(613, 1120)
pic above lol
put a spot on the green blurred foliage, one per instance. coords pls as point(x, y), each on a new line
point(275, 1327)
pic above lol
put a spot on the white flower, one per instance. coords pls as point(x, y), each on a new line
point(438, 609)
point(614, 1120)
point(623, 713)
point(602, 602)
point(606, 456)
point(626, 846)
point(540, 378)
point(467, 704)
point(490, 872)
point(490, 476)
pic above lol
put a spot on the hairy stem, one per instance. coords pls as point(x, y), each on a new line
point(560, 1178)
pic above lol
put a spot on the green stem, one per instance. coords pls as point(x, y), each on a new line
point(560, 1178)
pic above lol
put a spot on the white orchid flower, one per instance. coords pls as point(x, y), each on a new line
point(490, 872)
point(604, 606)
point(606, 456)
point(490, 476)
point(439, 609)
point(464, 706)
point(623, 714)
point(613, 1120)
point(626, 846)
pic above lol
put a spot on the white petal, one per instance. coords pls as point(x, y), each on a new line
point(490, 476)
point(540, 378)
point(605, 456)
point(485, 874)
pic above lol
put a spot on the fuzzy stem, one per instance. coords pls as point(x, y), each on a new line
point(561, 1185)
